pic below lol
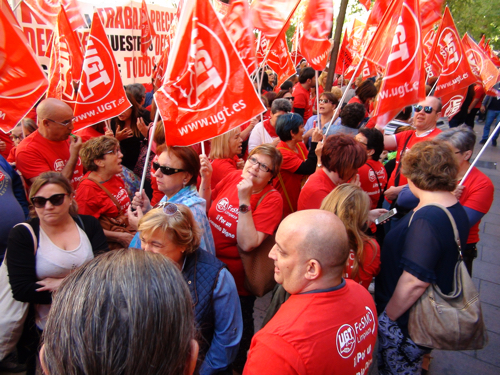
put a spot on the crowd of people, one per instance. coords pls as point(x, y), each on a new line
point(121, 280)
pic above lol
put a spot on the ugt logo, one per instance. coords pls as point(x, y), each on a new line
point(449, 52)
point(95, 78)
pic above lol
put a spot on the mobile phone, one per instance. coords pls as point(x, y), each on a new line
point(386, 216)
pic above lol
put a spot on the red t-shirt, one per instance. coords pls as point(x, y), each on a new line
point(287, 179)
point(223, 218)
point(302, 100)
point(221, 168)
point(8, 144)
point(316, 188)
point(12, 155)
point(92, 200)
point(477, 195)
point(89, 133)
point(355, 99)
point(401, 140)
point(318, 333)
point(370, 265)
point(36, 154)
point(368, 175)
point(479, 94)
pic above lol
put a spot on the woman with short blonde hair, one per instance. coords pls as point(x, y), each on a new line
point(224, 154)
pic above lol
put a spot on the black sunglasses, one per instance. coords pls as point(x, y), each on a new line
point(427, 109)
point(166, 170)
point(55, 200)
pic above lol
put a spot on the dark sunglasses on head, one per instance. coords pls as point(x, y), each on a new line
point(166, 170)
point(427, 109)
point(55, 200)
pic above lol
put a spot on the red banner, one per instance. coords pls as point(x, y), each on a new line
point(240, 30)
point(147, 29)
point(452, 102)
point(270, 16)
point(279, 59)
point(430, 12)
point(344, 59)
point(101, 95)
point(207, 90)
point(22, 81)
point(366, 4)
point(404, 77)
point(481, 65)
point(66, 61)
point(50, 9)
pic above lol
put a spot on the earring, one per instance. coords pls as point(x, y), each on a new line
point(184, 183)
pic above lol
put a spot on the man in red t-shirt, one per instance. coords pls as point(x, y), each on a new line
point(427, 113)
point(50, 148)
point(328, 325)
point(302, 103)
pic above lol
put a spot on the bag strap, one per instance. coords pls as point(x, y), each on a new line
point(282, 184)
point(262, 198)
point(33, 236)
point(115, 201)
point(453, 224)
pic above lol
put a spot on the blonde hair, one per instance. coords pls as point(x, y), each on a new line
point(180, 228)
point(219, 148)
point(322, 79)
point(351, 204)
point(337, 92)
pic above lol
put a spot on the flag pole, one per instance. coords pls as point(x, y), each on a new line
point(497, 128)
point(150, 144)
point(434, 87)
point(317, 98)
point(19, 3)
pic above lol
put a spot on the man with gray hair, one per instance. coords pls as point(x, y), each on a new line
point(329, 324)
point(264, 132)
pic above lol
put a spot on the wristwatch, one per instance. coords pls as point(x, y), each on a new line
point(244, 208)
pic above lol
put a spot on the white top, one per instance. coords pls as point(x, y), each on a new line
point(52, 261)
point(258, 136)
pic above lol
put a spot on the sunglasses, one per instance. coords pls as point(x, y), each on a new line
point(427, 109)
point(166, 170)
point(55, 200)
point(262, 167)
point(64, 123)
point(324, 101)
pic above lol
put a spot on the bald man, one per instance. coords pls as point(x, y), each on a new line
point(50, 148)
point(328, 325)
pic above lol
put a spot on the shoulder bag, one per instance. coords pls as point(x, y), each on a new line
point(12, 312)
point(449, 321)
point(259, 268)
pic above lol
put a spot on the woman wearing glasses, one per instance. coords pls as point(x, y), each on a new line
point(327, 105)
point(65, 241)
point(176, 173)
point(173, 232)
point(245, 210)
point(101, 193)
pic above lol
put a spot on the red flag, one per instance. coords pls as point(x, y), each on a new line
point(279, 59)
point(262, 46)
point(22, 81)
point(494, 58)
point(481, 43)
point(270, 16)
point(50, 9)
point(452, 102)
point(344, 58)
point(221, 8)
point(430, 11)
point(66, 61)
point(101, 95)
point(315, 45)
point(448, 53)
point(207, 90)
point(430, 69)
point(481, 65)
point(404, 77)
point(366, 4)
point(161, 66)
point(147, 29)
point(240, 30)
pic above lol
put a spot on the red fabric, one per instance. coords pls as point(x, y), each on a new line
point(147, 29)
point(89, 133)
point(221, 168)
point(269, 128)
point(316, 188)
point(302, 100)
point(92, 200)
point(36, 154)
point(355, 99)
point(318, 333)
point(370, 264)
point(12, 155)
point(368, 180)
point(477, 195)
point(293, 182)
point(401, 140)
point(479, 94)
point(223, 218)
point(5, 137)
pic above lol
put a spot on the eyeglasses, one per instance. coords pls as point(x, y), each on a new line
point(291, 98)
point(64, 123)
point(262, 167)
point(55, 200)
point(166, 170)
point(324, 101)
point(427, 109)
point(114, 152)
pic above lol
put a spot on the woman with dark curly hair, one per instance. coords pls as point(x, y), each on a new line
point(420, 250)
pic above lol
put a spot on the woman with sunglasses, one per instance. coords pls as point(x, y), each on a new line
point(245, 210)
point(101, 192)
point(327, 105)
point(176, 173)
point(173, 232)
point(65, 241)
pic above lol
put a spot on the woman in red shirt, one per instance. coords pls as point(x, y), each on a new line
point(298, 163)
point(224, 154)
point(351, 204)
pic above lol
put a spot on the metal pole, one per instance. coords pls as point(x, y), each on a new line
point(336, 44)
point(317, 98)
point(150, 143)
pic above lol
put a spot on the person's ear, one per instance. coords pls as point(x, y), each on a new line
point(468, 155)
point(193, 359)
point(370, 152)
point(313, 270)
point(187, 177)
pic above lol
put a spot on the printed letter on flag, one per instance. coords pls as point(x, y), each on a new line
point(22, 81)
point(404, 77)
point(147, 29)
point(101, 95)
point(314, 45)
point(206, 90)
